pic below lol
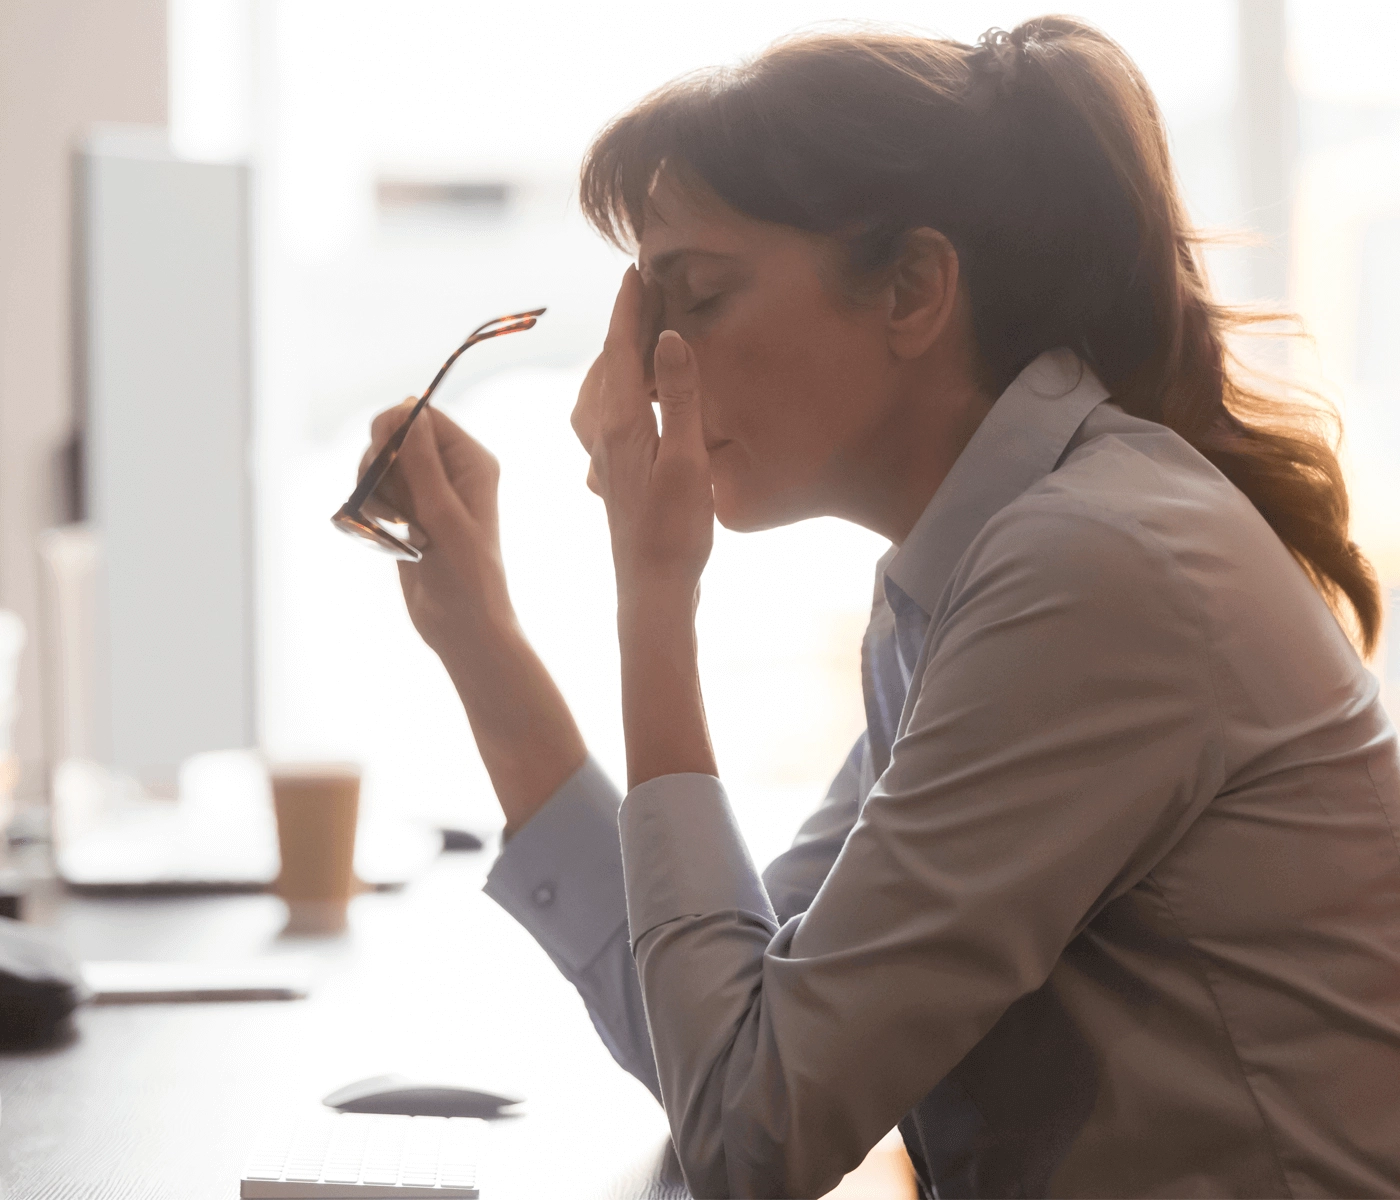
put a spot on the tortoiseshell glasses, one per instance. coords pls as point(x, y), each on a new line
point(350, 519)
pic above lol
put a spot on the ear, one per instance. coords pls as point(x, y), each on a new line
point(922, 293)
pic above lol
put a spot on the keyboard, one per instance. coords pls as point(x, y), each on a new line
point(364, 1155)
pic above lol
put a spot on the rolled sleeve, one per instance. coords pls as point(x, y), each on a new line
point(684, 856)
point(560, 876)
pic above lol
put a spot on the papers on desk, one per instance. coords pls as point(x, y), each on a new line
point(285, 978)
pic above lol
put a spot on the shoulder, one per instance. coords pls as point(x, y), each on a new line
point(1132, 513)
point(1068, 615)
point(1071, 551)
point(1064, 610)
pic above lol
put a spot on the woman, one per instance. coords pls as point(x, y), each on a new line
point(1106, 900)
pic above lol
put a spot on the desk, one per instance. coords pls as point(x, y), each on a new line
point(160, 1101)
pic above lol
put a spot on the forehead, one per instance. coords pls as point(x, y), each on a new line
point(681, 217)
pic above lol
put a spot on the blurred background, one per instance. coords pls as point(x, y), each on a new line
point(232, 230)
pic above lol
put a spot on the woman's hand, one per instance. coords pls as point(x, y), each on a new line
point(443, 485)
point(661, 514)
point(656, 486)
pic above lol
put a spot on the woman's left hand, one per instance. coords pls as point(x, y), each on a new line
point(656, 486)
point(662, 516)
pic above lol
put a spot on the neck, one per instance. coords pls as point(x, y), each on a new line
point(887, 481)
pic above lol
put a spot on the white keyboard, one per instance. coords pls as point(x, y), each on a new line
point(356, 1156)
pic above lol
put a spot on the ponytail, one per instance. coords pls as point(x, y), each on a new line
point(1042, 156)
point(1277, 453)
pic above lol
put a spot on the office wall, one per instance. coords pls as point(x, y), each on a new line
point(64, 64)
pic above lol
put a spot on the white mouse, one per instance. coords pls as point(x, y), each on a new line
point(399, 1094)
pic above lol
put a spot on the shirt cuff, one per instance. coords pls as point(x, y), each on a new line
point(560, 875)
point(683, 855)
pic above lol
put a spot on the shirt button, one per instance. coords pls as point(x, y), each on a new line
point(544, 895)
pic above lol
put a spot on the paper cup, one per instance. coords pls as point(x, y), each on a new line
point(318, 808)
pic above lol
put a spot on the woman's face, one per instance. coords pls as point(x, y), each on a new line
point(794, 378)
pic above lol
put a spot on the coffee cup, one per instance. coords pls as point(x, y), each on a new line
point(318, 808)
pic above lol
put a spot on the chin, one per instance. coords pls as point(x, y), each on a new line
point(749, 509)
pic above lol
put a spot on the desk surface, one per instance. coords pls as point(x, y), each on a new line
point(160, 1101)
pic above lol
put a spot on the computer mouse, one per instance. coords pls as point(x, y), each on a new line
point(406, 1097)
point(459, 839)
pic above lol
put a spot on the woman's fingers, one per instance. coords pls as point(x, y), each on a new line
point(421, 467)
point(652, 324)
point(462, 455)
point(625, 399)
point(613, 417)
point(390, 498)
point(678, 390)
point(616, 394)
point(379, 509)
point(379, 503)
point(584, 418)
point(656, 486)
point(416, 488)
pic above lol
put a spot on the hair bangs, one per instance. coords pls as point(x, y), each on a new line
point(668, 130)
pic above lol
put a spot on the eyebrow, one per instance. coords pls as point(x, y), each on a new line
point(664, 264)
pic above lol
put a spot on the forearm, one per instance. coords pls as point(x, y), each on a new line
point(526, 735)
point(663, 713)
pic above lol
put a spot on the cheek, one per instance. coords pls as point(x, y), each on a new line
point(753, 381)
point(786, 405)
point(790, 395)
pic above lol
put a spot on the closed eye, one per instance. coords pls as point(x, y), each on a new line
point(707, 303)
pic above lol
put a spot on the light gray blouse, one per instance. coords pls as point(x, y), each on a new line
point(1105, 902)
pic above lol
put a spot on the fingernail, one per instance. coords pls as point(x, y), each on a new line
point(672, 350)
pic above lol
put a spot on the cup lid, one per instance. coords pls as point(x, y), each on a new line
point(313, 770)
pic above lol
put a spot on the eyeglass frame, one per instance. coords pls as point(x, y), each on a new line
point(349, 519)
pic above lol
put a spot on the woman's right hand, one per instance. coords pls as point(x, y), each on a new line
point(443, 484)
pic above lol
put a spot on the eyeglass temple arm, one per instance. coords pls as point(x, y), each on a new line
point(520, 316)
point(385, 458)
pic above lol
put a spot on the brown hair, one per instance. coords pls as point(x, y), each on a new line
point(1041, 155)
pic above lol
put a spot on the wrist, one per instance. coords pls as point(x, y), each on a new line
point(486, 597)
point(465, 610)
point(658, 597)
point(663, 712)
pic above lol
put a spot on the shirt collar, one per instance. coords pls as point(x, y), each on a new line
point(1018, 443)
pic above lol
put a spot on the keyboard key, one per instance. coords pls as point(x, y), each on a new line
point(309, 1150)
point(420, 1158)
point(347, 1149)
point(461, 1150)
point(269, 1153)
point(260, 1172)
point(385, 1150)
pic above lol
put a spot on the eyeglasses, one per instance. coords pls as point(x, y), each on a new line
point(350, 519)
